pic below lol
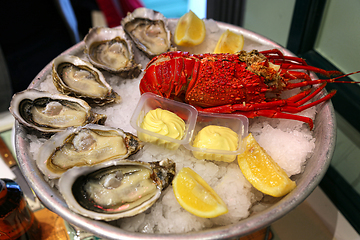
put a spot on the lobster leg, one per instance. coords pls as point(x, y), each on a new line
point(276, 54)
point(277, 114)
point(277, 109)
point(292, 104)
point(270, 113)
point(288, 62)
point(291, 75)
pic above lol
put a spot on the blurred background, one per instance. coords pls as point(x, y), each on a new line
point(324, 32)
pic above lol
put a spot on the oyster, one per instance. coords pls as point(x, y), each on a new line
point(50, 113)
point(147, 28)
point(84, 146)
point(76, 77)
point(115, 189)
point(111, 50)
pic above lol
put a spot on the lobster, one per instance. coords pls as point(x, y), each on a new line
point(238, 83)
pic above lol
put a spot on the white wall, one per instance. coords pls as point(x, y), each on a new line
point(270, 18)
point(339, 36)
point(198, 7)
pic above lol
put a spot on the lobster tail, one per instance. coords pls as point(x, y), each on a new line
point(167, 75)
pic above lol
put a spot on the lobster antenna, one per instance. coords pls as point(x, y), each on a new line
point(335, 80)
point(330, 80)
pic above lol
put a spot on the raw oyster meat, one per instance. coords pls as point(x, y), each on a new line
point(115, 189)
point(111, 50)
point(76, 77)
point(148, 29)
point(50, 113)
point(84, 146)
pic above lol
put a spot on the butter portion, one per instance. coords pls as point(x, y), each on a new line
point(165, 123)
point(216, 137)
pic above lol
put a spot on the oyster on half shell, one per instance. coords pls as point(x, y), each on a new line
point(111, 50)
point(84, 146)
point(115, 189)
point(51, 113)
point(148, 29)
point(76, 77)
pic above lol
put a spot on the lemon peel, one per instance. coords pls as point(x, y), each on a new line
point(229, 42)
point(196, 196)
point(262, 171)
point(190, 30)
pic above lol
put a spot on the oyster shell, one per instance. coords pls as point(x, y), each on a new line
point(148, 29)
point(76, 77)
point(111, 50)
point(115, 189)
point(84, 146)
point(51, 113)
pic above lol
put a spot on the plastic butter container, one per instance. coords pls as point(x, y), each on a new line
point(149, 102)
point(236, 123)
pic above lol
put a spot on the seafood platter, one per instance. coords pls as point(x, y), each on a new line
point(112, 113)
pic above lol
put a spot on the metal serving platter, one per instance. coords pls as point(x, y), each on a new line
point(316, 166)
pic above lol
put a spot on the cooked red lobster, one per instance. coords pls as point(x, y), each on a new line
point(236, 83)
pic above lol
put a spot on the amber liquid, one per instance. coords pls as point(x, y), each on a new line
point(17, 221)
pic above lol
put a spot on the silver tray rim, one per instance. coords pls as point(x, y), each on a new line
point(315, 169)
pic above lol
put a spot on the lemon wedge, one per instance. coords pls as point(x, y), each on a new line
point(190, 30)
point(196, 196)
point(262, 171)
point(229, 42)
